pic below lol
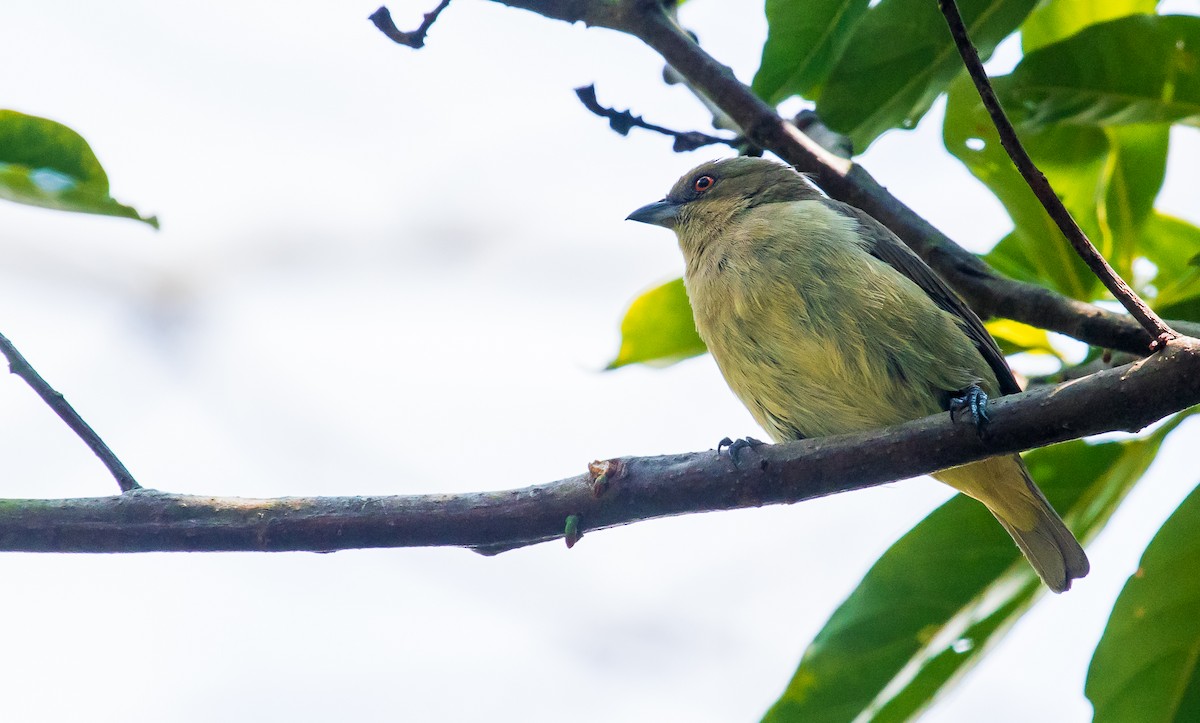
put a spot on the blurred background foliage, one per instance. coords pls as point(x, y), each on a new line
point(44, 163)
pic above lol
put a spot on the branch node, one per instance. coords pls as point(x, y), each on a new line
point(603, 472)
point(1161, 341)
point(415, 39)
point(572, 532)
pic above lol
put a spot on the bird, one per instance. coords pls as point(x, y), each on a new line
point(824, 322)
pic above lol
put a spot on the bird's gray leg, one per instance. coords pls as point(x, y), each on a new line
point(737, 446)
point(975, 400)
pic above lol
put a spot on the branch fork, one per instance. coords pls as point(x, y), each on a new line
point(1139, 309)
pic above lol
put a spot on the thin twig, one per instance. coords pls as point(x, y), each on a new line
point(622, 121)
point(17, 365)
point(614, 492)
point(414, 38)
point(1150, 321)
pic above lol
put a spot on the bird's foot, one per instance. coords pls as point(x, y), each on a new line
point(975, 400)
point(737, 446)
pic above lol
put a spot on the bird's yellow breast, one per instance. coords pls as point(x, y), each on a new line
point(814, 334)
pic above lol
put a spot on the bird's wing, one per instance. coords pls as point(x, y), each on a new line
point(885, 246)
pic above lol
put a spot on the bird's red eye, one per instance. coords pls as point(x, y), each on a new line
point(703, 183)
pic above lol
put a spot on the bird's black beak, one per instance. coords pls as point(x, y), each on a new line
point(660, 213)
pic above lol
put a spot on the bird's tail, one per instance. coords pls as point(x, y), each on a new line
point(1003, 485)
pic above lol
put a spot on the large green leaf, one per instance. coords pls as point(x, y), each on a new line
point(1137, 69)
point(1015, 338)
point(1073, 160)
point(658, 328)
point(804, 38)
point(1057, 19)
point(934, 602)
point(1171, 245)
point(1107, 177)
point(1131, 180)
point(1146, 668)
point(900, 57)
point(43, 163)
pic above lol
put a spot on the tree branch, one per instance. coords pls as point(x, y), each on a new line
point(624, 121)
point(988, 293)
point(615, 492)
point(17, 365)
point(415, 39)
point(1154, 326)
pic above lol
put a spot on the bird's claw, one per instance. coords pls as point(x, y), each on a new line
point(737, 446)
point(975, 400)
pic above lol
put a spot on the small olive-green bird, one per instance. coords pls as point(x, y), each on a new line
point(823, 322)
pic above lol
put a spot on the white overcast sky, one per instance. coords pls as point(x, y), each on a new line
point(380, 272)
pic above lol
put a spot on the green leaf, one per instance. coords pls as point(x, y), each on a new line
point(946, 591)
point(804, 38)
point(1057, 19)
point(1187, 309)
point(1107, 177)
point(1073, 160)
point(43, 163)
point(658, 328)
point(1015, 337)
point(1170, 244)
point(1137, 69)
point(1137, 165)
point(1145, 669)
point(900, 57)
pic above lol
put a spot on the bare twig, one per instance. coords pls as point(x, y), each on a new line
point(1156, 327)
point(613, 492)
point(623, 121)
point(19, 366)
point(414, 38)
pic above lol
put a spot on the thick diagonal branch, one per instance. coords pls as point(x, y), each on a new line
point(988, 293)
point(635, 489)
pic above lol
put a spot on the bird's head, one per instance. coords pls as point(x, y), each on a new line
point(715, 193)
